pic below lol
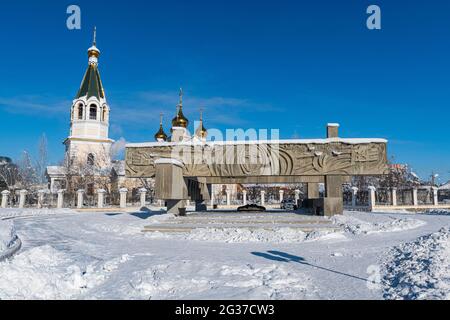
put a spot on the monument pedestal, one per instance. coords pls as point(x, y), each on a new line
point(171, 186)
point(333, 203)
point(176, 207)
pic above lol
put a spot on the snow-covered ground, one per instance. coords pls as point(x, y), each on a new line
point(70, 255)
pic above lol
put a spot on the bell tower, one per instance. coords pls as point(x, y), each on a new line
point(88, 141)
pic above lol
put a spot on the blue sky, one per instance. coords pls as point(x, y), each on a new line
point(289, 65)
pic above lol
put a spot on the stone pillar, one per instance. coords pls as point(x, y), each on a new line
point(394, 196)
point(312, 190)
point(123, 197)
point(143, 196)
point(263, 198)
point(5, 196)
point(414, 197)
point(170, 185)
point(297, 196)
point(188, 202)
point(244, 197)
point(333, 203)
point(101, 198)
point(80, 196)
point(372, 197)
point(281, 195)
point(60, 201)
point(354, 196)
point(40, 203)
point(435, 196)
point(212, 197)
point(22, 198)
point(228, 191)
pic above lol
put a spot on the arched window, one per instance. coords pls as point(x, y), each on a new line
point(90, 159)
point(104, 114)
point(93, 112)
point(80, 112)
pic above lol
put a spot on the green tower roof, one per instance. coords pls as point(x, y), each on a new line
point(92, 84)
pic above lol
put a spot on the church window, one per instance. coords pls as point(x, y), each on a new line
point(80, 112)
point(93, 112)
point(90, 159)
point(104, 114)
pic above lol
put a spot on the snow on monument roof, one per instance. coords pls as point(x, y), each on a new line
point(291, 141)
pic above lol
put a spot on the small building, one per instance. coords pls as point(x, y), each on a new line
point(56, 176)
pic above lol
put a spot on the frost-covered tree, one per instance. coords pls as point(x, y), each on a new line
point(27, 171)
point(9, 174)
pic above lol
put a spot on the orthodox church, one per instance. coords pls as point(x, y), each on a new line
point(88, 141)
point(88, 144)
point(179, 128)
point(180, 133)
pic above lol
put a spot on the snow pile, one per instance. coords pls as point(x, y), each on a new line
point(356, 226)
point(120, 229)
point(7, 235)
point(46, 273)
point(130, 227)
point(237, 235)
point(420, 270)
point(246, 235)
point(215, 281)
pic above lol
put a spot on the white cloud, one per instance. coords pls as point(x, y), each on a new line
point(143, 108)
point(31, 105)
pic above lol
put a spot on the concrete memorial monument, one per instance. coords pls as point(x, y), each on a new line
point(184, 168)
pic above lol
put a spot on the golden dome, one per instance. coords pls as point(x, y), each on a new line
point(201, 131)
point(93, 52)
point(180, 120)
point(161, 135)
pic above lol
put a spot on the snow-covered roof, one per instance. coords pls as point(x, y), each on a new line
point(56, 170)
point(291, 141)
point(445, 186)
